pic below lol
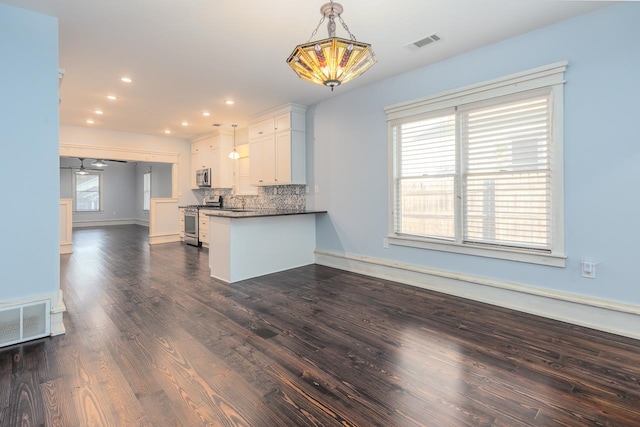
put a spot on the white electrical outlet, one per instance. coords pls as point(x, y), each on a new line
point(317, 188)
point(589, 269)
point(385, 243)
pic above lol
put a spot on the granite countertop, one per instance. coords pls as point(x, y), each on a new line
point(253, 213)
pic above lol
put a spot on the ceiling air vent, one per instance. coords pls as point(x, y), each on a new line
point(423, 42)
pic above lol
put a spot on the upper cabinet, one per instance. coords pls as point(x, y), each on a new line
point(212, 153)
point(277, 147)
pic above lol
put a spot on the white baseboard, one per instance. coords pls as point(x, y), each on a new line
point(158, 239)
point(58, 308)
point(609, 316)
point(103, 223)
point(142, 222)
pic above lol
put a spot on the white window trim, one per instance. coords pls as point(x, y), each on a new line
point(550, 76)
point(100, 193)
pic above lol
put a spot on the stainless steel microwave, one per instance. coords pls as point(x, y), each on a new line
point(203, 177)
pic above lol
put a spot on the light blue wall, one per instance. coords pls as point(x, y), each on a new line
point(347, 141)
point(123, 189)
point(118, 186)
point(160, 184)
point(30, 261)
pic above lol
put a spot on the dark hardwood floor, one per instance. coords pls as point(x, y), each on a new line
point(152, 340)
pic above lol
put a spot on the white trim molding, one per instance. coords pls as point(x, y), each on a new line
point(58, 308)
point(158, 239)
point(604, 315)
point(66, 226)
point(104, 223)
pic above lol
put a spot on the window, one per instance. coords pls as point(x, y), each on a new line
point(146, 191)
point(88, 191)
point(479, 171)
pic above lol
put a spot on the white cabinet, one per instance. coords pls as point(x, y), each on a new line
point(213, 152)
point(261, 128)
point(203, 229)
point(277, 147)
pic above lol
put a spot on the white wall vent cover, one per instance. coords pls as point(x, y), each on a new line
point(25, 322)
point(423, 42)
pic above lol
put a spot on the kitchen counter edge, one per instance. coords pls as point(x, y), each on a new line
point(257, 213)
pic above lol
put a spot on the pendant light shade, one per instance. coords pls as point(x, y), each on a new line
point(234, 154)
point(334, 60)
point(99, 163)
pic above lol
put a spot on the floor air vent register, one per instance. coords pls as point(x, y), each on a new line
point(24, 322)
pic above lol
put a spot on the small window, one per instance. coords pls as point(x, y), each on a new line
point(88, 192)
point(147, 191)
point(479, 171)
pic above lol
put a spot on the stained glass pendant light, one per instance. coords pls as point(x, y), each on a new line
point(332, 61)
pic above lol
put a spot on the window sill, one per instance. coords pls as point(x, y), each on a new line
point(553, 260)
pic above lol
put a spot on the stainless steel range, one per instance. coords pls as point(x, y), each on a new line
point(191, 231)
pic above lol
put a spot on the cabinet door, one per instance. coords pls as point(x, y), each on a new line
point(282, 158)
point(269, 160)
point(283, 122)
point(194, 167)
point(215, 168)
point(255, 162)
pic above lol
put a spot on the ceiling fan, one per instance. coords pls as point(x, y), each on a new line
point(82, 170)
point(101, 163)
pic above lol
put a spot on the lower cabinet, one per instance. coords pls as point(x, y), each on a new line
point(203, 229)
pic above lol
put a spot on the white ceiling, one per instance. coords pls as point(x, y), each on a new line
point(189, 56)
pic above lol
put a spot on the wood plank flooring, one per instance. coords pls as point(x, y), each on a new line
point(152, 340)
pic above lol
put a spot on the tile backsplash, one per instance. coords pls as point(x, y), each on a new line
point(272, 197)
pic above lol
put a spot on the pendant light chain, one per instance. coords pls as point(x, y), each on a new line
point(344, 25)
point(316, 30)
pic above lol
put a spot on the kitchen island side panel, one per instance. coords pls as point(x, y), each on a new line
point(261, 245)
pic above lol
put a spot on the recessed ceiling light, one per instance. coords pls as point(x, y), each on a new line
point(126, 79)
point(112, 97)
point(99, 112)
point(167, 131)
point(229, 101)
point(185, 123)
point(89, 121)
point(206, 113)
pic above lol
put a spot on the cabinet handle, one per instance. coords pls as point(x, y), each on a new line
point(260, 133)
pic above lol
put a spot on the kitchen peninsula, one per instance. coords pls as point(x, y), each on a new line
point(246, 244)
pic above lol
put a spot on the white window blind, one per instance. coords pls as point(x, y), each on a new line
point(507, 173)
point(425, 183)
point(479, 173)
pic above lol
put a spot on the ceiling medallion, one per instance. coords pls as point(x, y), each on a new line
point(332, 61)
